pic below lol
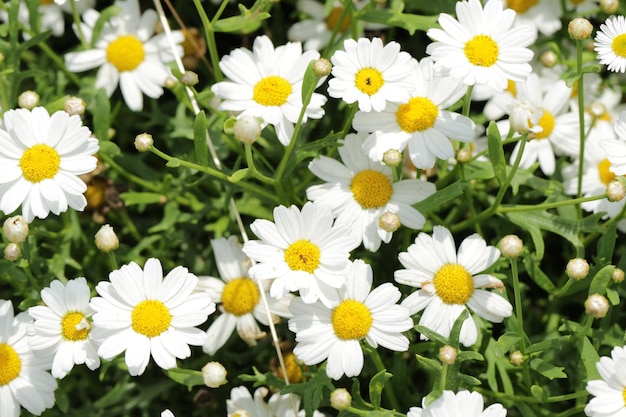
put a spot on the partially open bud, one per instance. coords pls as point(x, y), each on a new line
point(106, 239)
point(15, 229)
point(597, 306)
point(189, 79)
point(144, 142)
point(597, 109)
point(389, 222)
point(524, 118)
point(214, 374)
point(511, 246)
point(447, 354)
point(579, 28)
point(340, 399)
point(247, 129)
point(615, 191)
point(392, 158)
point(74, 106)
point(618, 275)
point(577, 269)
point(322, 67)
point(12, 252)
point(28, 100)
point(464, 155)
point(516, 358)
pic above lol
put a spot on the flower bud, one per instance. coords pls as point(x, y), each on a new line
point(579, 28)
point(597, 109)
point(322, 67)
point(392, 158)
point(247, 129)
point(447, 354)
point(577, 269)
point(609, 6)
point(144, 142)
point(74, 106)
point(549, 59)
point(615, 191)
point(464, 155)
point(15, 229)
point(524, 118)
point(12, 252)
point(516, 358)
point(189, 79)
point(389, 222)
point(28, 100)
point(618, 275)
point(214, 374)
point(170, 83)
point(597, 306)
point(106, 239)
point(340, 399)
point(511, 246)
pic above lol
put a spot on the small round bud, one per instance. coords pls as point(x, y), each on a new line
point(549, 59)
point(579, 28)
point(597, 109)
point(447, 354)
point(144, 142)
point(392, 158)
point(577, 269)
point(615, 191)
point(74, 106)
point(322, 67)
point(12, 252)
point(340, 399)
point(516, 358)
point(106, 239)
point(170, 83)
point(609, 6)
point(28, 100)
point(511, 246)
point(1, 57)
point(189, 79)
point(214, 374)
point(111, 133)
point(15, 229)
point(389, 222)
point(618, 275)
point(464, 155)
point(247, 129)
point(597, 306)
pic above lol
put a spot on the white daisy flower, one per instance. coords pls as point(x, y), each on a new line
point(267, 83)
point(41, 157)
point(468, 404)
point(615, 147)
point(316, 31)
point(421, 122)
point(62, 326)
point(610, 43)
point(450, 282)
point(361, 191)
point(370, 73)
point(142, 313)
point(482, 46)
point(303, 251)
point(239, 296)
point(23, 377)
point(50, 15)
point(609, 391)
point(544, 16)
point(241, 403)
point(334, 332)
point(127, 53)
point(167, 413)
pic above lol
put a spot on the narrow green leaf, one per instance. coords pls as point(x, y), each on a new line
point(601, 280)
point(505, 343)
point(441, 197)
point(102, 116)
point(589, 358)
point(537, 275)
point(429, 363)
point(496, 153)
point(407, 21)
point(613, 296)
point(187, 377)
point(547, 369)
point(376, 386)
point(538, 393)
point(606, 244)
point(238, 175)
point(134, 198)
point(200, 138)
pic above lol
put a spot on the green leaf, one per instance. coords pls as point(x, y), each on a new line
point(538, 393)
point(496, 153)
point(547, 369)
point(601, 280)
point(187, 377)
point(102, 115)
point(469, 355)
point(505, 343)
point(537, 275)
point(173, 163)
point(200, 138)
point(613, 296)
point(377, 384)
point(313, 391)
point(238, 175)
point(109, 148)
point(248, 21)
point(441, 197)
point(606, 244)
point(133, 198)
point(429, 363)
point(407, 21)
point(589, 358)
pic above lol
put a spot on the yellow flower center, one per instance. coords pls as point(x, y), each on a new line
point(294, 371)
point(369, 80)
point(125, 53)
point(151, 318)
point(481, 51)
point(272, 91)
point(576, 2)
point(46, 2)
point(520, 6)
point(333, 19)
point(10, 364)
point(240, 296)
point(619, 45)
point(371, 189)
point(75, 326)
point(454, 285)
point(510, 87)
point(547, 123)
point(351, 320)
point(302, 255)
point(624, 396)
point(39, 163)
point(418, 114)
point(606, 176)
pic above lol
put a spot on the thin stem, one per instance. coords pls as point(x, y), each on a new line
point(77, 23)
point(519, 315)
point(389, 392)
point(209, 35)
point(252, 167)
point(444, 377)
point(546, 206)
point(467, 100)
point(581, 119)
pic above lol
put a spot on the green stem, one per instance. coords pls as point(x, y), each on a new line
point(546, 206)
point(209, 34)
point(112, 261)
point(581, 119)
point(467, 100)
point(444, 377)
point(389, 392)
point(519, 315)
point(252, 167)
point(77, 23)
point(333, 35)
point(527, 399)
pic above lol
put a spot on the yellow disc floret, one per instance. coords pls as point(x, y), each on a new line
point(606, 176)
point(240, 296)
point(151, 318)
point(619, 45)
point(417, 115)
point(74, 326)
point(10, 364)
point(520, 6)
point(369, 81)
point(351, 320)
point(624, 396)
point(39, 163)
point(125, 53)
point(333, 19)
point(481, 51)
point(302, 255)
point(371, 189)
point(547, 123)
point(272, 91)
point(454, 285)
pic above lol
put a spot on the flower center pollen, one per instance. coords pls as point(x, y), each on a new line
point(606, 176)
point(454, 285)
point(151, 318)
point(302, 255)
point(371, 189)
point(547, 123)
point(351, 320)
point(619, 45)
point(418, 114)
point(75, 326)
point(369, 81)
point(125, 53)
point(240, 296)
point(624, 396)
point(481, 51)
point(520, 6)
point(10, 364)
point(272, 91)
point(333, 20)
point(39, 163)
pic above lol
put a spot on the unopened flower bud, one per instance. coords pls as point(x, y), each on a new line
point(392, 158)
point(549, 59)
point(615, 191)
point(511, 246)
point(169, 83)
point(447, 354)
point(247, 129)
point(516, 358)
point(464, 155)
point(322, 67)
point(106, 239)
point(189, 79)
point(340, 399)
point(15, 229)
point(389, 222)
point(144, 142)
point(28, 100)
point(579, 28)
point(618, 275)
point(74, 106)
point(597, 109)
point(609, 6)
point(597, 306)
point(12, 252)
point(214, 374)
point(577, 269)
